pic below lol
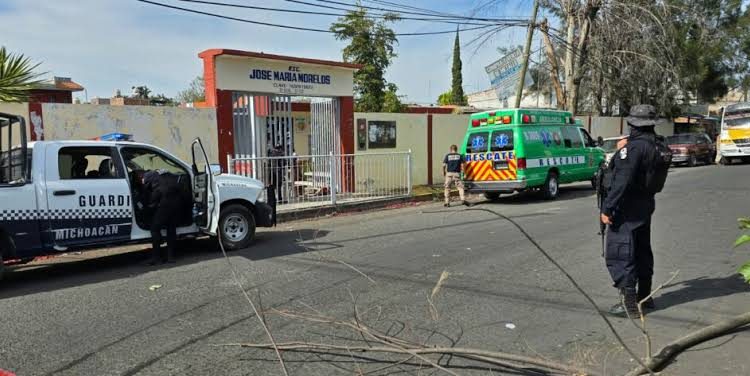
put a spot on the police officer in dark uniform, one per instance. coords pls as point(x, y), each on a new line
point(627, 210)
point(164, 200)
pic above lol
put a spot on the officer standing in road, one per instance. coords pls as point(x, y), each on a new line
point(453, 166)
point(164, 198)
point(627, 211)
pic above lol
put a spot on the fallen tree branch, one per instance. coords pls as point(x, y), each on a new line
point(672, 349)
point(491, 357)
point(572, 281)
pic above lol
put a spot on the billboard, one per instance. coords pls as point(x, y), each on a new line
point(505, 73)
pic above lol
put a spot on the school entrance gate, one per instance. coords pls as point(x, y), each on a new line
point(288, 122)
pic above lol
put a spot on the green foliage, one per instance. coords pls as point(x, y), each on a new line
point(744, 270)
point(446, 99)
point(370, 44)
point(391, 100)
point(196, 92)
point(457, 90)
point(162, 100)
point(141, 92)
point(17, 76)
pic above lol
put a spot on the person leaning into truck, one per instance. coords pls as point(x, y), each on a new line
point(163, 196)
point(453, 167)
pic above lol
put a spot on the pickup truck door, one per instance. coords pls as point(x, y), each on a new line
point(205, 191)
point(88, 197)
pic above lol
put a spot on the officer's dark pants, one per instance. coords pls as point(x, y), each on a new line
point(629, 256)
point(166, 217)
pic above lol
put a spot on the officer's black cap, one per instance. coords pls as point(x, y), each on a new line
point(642, 115)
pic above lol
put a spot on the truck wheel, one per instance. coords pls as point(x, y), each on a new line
point(723, 161)
point(551, 188)
point(692, 160)
point(492, 196)
point(2, 266)
point(236, 227)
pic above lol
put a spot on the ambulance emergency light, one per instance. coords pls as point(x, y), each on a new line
point(115, 137)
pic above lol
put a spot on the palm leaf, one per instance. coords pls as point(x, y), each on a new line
point(17, 76)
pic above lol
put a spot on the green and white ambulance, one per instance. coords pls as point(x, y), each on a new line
point(520, 149)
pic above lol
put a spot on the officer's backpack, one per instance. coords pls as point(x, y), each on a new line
point(656, 176)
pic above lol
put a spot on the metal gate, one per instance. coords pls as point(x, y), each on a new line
point(325, 142)
point(262, 127)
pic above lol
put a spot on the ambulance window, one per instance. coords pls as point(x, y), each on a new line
point(502, 140)
point(587, 140)
point(478, 142)
point(96, 162)
point(571, 137)
point(149, 160)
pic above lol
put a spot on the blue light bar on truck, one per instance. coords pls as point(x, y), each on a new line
point(115, 137)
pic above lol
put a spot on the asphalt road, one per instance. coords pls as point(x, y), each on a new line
point(94, 314)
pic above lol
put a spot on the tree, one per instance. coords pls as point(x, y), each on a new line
point(196, 92)
point(161, 100)
point(141, 92)
point(446, 99)
point(370, 44)
point(457, 90)
point(17, 76)
point(391, 100)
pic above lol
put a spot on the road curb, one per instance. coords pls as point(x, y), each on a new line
point(350, 207)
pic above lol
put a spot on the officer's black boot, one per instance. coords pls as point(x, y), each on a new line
point(628, 306)
point(644, 290)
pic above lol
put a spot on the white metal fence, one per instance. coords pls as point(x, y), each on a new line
point(303, 181)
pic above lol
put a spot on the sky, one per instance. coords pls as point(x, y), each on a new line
point(107, 45)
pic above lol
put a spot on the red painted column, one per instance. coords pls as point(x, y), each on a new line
point(429, 149)
point(225, 126)
point(346, 134)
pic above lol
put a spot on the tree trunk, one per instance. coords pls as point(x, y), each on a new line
point(554, 71)
point(661, 359)
point(592, 7)
point(570, 52)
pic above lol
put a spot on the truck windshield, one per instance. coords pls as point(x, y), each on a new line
point(610, 145)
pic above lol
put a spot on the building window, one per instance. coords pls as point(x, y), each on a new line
point(381, 134)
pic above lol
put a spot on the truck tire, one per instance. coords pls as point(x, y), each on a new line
point(492, 196)
point(723, 161)
point(2, 266)
point(692, 160)
point(551, 188)
point(236, 227)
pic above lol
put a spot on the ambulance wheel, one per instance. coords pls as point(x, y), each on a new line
point(492, 196)
point(551, 188)
point(236, 227)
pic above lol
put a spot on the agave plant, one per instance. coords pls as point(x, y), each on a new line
point(17, 76)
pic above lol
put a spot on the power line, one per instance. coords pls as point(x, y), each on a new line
point(390, 10)
point(188, 10)
point(216, 3)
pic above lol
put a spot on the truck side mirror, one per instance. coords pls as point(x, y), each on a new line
point(599, 141)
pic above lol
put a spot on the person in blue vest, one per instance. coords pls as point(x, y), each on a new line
point(453, 167)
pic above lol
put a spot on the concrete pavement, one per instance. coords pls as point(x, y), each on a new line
point(97, 315)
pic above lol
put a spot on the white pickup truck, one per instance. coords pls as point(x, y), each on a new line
point(61, 195)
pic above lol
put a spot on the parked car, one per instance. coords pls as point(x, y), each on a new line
point(691, 148)
point(609, 145)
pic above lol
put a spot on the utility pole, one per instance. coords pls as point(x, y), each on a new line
point(526, 53)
